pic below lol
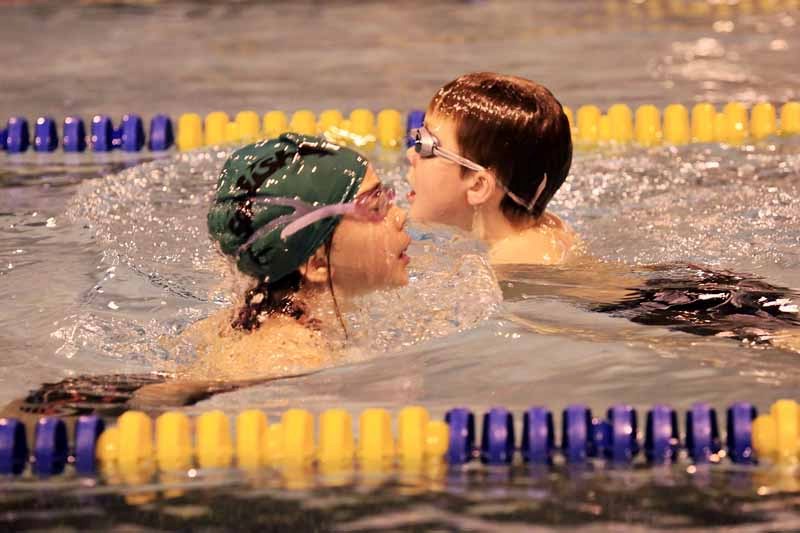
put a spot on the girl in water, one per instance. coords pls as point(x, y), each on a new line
point(308, 225)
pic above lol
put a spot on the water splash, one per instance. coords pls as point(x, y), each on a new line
point(151, 220)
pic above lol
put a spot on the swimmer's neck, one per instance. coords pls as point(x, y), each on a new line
point(492, 226)
point(320, 300)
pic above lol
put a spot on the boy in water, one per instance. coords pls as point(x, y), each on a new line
point(493, 151)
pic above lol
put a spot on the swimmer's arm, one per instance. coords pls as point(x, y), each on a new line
point(181, 393)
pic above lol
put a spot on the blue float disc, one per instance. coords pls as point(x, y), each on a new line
point(462, 435)
point(497, 437)
point(45, 138)
point(3, 138)
point(13, 446)
point(740, 432)
point(702, 432)
point(414, 119)
point(17, 135)
point(576, 437)
point(50, 447)
point(74, 135)
point(661, 440)
point(87, 431)
point(161, 134)
point(538, 437)
point(623, 445)
point(132, 133)
point(102, 134)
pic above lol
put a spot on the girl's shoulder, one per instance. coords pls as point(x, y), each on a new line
point(280, 346)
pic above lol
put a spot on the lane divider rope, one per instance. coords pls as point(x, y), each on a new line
point(176, 442)
point(645, 126)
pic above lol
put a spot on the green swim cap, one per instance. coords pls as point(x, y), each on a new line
point(300, 167)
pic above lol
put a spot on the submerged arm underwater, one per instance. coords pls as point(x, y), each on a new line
point(682, 297)
point(111, 395)
point(718, 303)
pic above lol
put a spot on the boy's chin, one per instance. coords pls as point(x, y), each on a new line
point(416, 214)
point(422, 216)
point(399, 276)
point(401, 280)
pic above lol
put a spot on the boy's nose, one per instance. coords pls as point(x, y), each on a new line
point(412, 155)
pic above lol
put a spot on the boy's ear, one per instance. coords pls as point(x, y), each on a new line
point(315, 270)
point(482, 188)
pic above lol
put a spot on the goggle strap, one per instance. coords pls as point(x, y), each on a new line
point(425, 141)
point(522, 203)
point(455, 158)
point(263, 230)
point(300, 207)
point(424, 138)
point(315, 216)
point(303, 216)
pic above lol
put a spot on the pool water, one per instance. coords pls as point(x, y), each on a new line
point(102, 257)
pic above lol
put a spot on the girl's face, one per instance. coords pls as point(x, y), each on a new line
point(439, 193)
point(368, 255)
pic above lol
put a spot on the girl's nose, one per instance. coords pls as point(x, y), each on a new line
point(398, 216)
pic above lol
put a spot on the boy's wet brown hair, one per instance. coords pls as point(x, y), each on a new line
point(514, 127)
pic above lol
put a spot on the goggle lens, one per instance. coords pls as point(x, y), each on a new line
point(424, 142)
point(374, 205)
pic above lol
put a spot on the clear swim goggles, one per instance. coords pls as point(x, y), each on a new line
point(427, 145)
point(371, 206)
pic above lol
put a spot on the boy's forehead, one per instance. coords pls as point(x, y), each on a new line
point(434, 121)
point(444, 128)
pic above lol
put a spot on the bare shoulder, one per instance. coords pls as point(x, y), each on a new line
point(281, 346)
point(550, 242)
